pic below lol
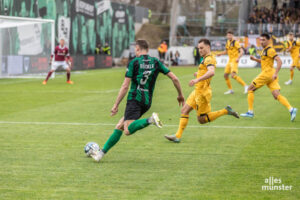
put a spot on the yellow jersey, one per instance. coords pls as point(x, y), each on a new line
point(295, 47)
point(233, 47)
point(207, 61)
point(268, 55)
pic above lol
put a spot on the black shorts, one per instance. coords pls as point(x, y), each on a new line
point(134, 110)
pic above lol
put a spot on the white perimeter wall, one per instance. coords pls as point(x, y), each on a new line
point(187, 58)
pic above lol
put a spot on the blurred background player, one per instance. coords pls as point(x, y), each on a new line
point(162, 50)
point(293, 48)
point(196, 55)
point(61, 59)
point(142, 73)
point(200, 98)
point(268, 76)
point(235, 52)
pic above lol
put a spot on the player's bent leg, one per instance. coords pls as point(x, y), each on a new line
point(289, 82)
point(183, 122)
point(126, 125)
point(211, 116)
point(131, 126)
point(69, 76)
point(48, 76)
point(277, 96)
point(112, 140)
point(240, 81)
point(226, 77)
point(250, 113)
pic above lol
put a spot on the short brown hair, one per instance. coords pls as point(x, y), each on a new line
point(205, 41)
point(230, 31)
point(143, 44)
point(265, 35)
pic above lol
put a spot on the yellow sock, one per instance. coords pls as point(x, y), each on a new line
point(284, 102)
point(214, 115)
point(292, 74)
point(239, 80)
point(250, 100)
point(228, 83)
point(184, 119)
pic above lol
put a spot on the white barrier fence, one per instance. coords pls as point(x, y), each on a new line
point(187, 58)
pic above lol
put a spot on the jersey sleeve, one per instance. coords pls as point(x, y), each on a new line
point(162, 68)
point(271, 53)
point(210, 61)
point(129, 71)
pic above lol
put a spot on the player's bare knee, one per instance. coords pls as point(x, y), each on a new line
point(202, 120)
point(233, 75)
point(126, 132)
point(275, 94)
point(119, 126)
point(226, 76)
point(185, 110)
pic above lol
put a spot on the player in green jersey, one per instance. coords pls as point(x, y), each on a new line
point(142, 73)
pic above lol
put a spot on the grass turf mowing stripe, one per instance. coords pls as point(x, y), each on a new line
point(166, 125)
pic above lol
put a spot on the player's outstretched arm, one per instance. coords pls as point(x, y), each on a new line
point(222, 53)
point(279, 64)
point(210, 73)
point(121, 95)
point(177, 85)
point(255, 59)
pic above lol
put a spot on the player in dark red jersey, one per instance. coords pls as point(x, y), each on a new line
point(61, 59)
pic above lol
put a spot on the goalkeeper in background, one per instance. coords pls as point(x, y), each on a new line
point(61, 59)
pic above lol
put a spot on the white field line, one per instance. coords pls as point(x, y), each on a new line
point(67, 91)
point(166, 125)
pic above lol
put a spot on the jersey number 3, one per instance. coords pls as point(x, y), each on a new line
point(145, 78)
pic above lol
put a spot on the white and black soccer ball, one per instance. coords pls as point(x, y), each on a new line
point(90, 147)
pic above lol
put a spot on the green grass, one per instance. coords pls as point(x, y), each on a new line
point(46, 161)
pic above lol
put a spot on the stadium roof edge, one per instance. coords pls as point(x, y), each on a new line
point(27, 19)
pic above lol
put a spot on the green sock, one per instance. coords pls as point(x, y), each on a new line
point(137, 125)
point(112, 140)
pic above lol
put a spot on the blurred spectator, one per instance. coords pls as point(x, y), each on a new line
point(106, 49)
point(176, 61)
point(252, 50)
point(196, 56)
point(278, 21)
point(98, 49)
point(162, 49)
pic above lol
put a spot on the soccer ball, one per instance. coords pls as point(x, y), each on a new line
point(90, 147)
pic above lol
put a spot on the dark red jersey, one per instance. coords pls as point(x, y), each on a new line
point(61, 53)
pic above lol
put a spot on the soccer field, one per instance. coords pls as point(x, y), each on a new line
point(45, 127)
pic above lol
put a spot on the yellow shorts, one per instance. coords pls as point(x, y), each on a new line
point(296, 61)
point(232, 66)
point(200, 101)
point(266, 79)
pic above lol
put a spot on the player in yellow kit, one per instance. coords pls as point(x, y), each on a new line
point(200, 98)
point(235, 52)
point(268, 76)
point(293, 48)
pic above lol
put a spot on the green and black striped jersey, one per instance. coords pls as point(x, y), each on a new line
point(143, 72)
